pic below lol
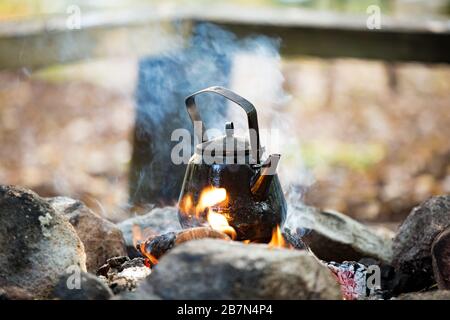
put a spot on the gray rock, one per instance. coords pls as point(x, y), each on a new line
point(88, 287)
point(412, 244)
point(440, 251)
point(156, 222)
point(14, 293)
point(332, 236)
point(428, 295)
point(122, 274)
point(136, 295)
point(102, 239)
point(37, 245)
point(217, 269)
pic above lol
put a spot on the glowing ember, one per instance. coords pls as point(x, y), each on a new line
point(138, 243)
point(150, 260)
point(278, 239)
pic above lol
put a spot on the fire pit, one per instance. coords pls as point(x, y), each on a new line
point(227, 192)
point(232, 205)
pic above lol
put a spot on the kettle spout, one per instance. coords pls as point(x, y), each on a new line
point(261, 185)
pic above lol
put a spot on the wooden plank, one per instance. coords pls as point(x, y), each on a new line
point(338, 43)
point(34, 44)
point(31, 44)
point(330, 35)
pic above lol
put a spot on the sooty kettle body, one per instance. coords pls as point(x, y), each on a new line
point(226, 176)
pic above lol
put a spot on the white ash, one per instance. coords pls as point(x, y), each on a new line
point(135, 273)
point(122, 274)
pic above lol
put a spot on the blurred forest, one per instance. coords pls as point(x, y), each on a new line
point(375, 148)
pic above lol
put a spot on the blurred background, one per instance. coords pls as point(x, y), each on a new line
point(367, 112)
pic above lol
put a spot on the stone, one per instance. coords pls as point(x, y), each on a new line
point(413, 242)
point(14, 293)
point(88, 287)
point(384, 229)
point(156, 222)
point(101, 238)
point(123, 274)
point(37, 245)
point(332, 236)
point(117, 262)
point(218, 269)
point(440, 252)
point(113, 263)
point(428, 295)
point(136, 295)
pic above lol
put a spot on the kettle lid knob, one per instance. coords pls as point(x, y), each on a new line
point(229, 129)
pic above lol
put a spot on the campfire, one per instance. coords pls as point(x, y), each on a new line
point(232, 203)
point(227, 192)
point(216, 225)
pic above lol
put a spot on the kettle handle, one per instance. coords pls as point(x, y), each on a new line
point(243, 103)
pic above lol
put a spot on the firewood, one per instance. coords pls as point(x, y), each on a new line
point(199, 233)
point(155, 246)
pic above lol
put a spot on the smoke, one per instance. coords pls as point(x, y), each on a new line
point(163, 83)
point(257, 75)
point(213, 56)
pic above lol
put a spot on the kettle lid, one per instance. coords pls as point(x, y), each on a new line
point(225, 146)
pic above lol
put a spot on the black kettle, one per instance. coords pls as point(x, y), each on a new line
point(226, 185)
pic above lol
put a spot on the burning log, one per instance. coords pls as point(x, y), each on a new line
point(139, 228)
point(155, 246)
point(199, 233)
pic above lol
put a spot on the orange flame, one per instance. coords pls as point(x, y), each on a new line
point(136, 232)
point(186, 204)
point(209, 197)
point(151, 260)
point(277, 240)
point(218, 222)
